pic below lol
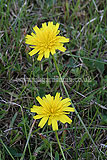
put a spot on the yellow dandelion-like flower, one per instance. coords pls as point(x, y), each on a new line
point(46, 40)
point(52, 110)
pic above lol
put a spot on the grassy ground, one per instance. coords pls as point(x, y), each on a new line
point(83, 66)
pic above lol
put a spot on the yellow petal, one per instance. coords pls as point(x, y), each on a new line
point(57, 100)
point(57, 32)
point(50, 121)
point(40, 57)
point(61, 48)
point(49, 99)
point(64, 119)
point(34, 47)
point(30, 40)
point(44, 107)
point(57, 96)
point(68, 109)
point(66, 100)
point(34, 108)
point(50, 24)
point(46, 103)
point(33, 34)
point(38, 116)
point(36, 29)
point(46, 54)
point(44, 25)
point(52, 51)
point(56, 28)
point(40, 101)
point(43, 122)
point(62, 39)
point(34, 51)
point(38, 110)
point(28, 36)
point(54, 125)
point(66, 104)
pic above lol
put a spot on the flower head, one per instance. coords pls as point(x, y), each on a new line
point(52, 110)
point(45, 40)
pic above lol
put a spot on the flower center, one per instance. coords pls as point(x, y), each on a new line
point(52, 111)
point(49, 40)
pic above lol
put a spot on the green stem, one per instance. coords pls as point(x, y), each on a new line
point(51, 150)
point(56, 134)
point(74, 106)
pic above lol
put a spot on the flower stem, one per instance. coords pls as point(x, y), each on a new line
point(74, 106)
point(56, 134)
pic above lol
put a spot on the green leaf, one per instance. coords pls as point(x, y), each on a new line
point(99, 66)
point(50, 2)
point(70, 64)
point(87, 155)
point(13, 120)
point(14, 152)
point(88, 63)
point(104, 119)
point(56, 156)
point(82, 140)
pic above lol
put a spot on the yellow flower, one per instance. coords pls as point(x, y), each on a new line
point(52, 110)
point(46, 40)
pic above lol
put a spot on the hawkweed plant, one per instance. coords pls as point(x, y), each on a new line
point(44, 41)
point(53, 110)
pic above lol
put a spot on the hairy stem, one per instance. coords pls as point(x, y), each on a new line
point(56, 134)
point(74, 106)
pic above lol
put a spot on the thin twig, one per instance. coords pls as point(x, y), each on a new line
point(11, 103)
point(86, 25)
point(28, 140)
